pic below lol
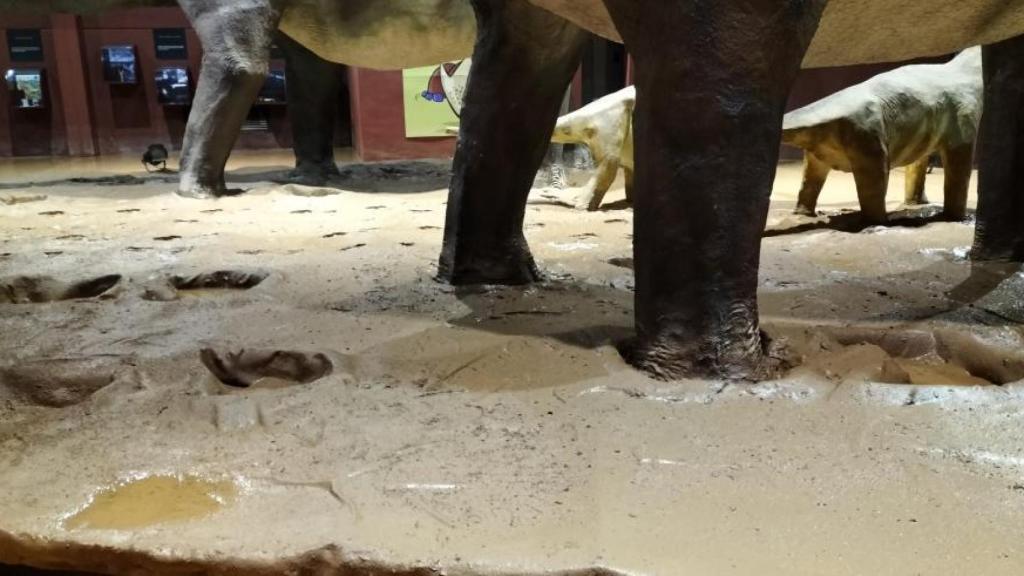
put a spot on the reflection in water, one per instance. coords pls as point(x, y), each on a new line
point(154, 500)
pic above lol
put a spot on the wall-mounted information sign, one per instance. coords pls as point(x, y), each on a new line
point(119, 65)
point(25, 45)
point(170, 43)
point(173, 87)
point(27, 87)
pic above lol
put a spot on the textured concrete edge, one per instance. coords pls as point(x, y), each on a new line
point(49, 554)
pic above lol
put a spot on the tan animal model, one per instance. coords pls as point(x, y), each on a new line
point(606, 127)
point(900, 118)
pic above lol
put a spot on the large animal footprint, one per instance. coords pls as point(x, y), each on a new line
point(245, 368)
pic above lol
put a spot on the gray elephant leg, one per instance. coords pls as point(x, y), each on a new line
point(815, 174)
point(916, 174)
point(236, 54)
point(524, 59)
point(999, 234)
point(703, 181)
point(313, 88)
point(958, 164)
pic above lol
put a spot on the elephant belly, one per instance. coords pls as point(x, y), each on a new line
point(865, 31)
point(383, 34)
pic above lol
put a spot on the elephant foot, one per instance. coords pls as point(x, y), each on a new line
point(672, 358)
point(514, 267)
point(313, 174)
point(954, 215)
point(805, 211)
point(209, 192)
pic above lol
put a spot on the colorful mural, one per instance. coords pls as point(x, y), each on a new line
point(433, 99)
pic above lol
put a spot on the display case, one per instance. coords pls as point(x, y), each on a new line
point(120, 64)
point(275, 90)
point(173, 86)
point(27, 87)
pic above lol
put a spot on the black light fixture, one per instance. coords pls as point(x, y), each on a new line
point(155, 156)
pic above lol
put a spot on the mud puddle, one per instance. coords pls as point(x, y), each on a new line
point(154, 500)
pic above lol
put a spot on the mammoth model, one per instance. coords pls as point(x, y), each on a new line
point(712, 80)
point(896, 119)
point(606, 127)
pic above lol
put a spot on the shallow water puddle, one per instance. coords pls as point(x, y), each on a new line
point(154, 500)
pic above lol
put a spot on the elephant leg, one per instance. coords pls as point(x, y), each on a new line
point(599, 184)
point(313, 88)
point(999, 234)
point(523, 62)
point(236, 56)
point(958, 164)
point(703, 181)
point(815, 174)
point(916, 173)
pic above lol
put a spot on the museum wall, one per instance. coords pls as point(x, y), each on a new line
point(32, 132)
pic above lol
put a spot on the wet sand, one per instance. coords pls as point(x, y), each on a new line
point(386, 423)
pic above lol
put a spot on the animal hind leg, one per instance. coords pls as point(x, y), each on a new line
point(523, 62)
point(599, 184)
point(999, 234)
point(236, 56)
point(958, 165)
point(815, 174)
point(916, 175)
point(313, 88)
point(703, 181)
point(871, 173)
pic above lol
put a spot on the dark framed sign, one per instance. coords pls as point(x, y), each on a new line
point(173, 87)
point(25, 45)
point(170, 43)
point(275, 89)
point(119, 65)
point(27, 87)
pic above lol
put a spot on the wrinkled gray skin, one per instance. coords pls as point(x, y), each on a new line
point(895, 119)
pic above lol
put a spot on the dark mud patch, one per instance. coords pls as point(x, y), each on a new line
point(41, 289)
point(247, 368)
point(220, 280)
point(394, 177)
point(57, 383)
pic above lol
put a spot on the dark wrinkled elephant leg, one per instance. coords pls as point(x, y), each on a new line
point(1000, 230)
point(236, 56)
point(313, 88)
point(712, 82)
point(524, 59)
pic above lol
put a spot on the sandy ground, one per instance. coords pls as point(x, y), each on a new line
point(395, 425)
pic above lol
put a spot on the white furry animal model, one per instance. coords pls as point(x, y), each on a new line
point(896, 119)
point(606, 127)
